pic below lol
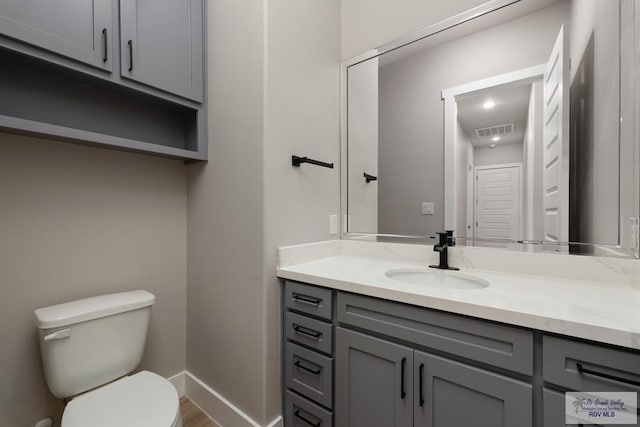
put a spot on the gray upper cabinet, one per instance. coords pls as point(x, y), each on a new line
point(85, 35)
point(452, 394)
point(161, 45)
point(374, 382)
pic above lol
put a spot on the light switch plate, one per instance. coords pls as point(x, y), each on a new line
point(427, 208)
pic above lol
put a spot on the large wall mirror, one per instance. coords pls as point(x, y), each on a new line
point(515, 124)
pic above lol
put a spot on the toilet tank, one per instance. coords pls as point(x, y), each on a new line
point(90, 342)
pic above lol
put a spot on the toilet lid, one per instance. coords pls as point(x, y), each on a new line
point(141, 400)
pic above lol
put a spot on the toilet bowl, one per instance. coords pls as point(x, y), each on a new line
point(89, 347)
point(141, 400)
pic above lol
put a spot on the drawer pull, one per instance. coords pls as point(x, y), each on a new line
point(301, 330)
point(583, 370)
point(307, 300)
point(421, 386)
point(306, 420)
point(403, 365)
point(297, 364)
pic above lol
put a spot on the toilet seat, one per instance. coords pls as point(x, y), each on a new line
point(141, 400)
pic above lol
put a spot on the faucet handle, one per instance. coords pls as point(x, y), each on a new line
point(443, 238)
point(451, 240)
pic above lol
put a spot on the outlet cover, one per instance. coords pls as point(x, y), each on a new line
point(634, 237)
point(333, 224)
point(427, 208)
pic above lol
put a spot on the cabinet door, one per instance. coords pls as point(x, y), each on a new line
point(452, 394)
point(554, 412)
point(373, 382)
point(77, 29)
point(162, 44)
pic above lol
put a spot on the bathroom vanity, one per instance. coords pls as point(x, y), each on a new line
point(363, 349)
point(528, 164)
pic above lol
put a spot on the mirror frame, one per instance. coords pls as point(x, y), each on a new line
point(601, 250)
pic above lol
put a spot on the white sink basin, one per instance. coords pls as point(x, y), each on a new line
point(437, 278)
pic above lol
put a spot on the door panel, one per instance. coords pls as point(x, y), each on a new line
point(498, 208)
point(162, 44)
point(555, 171)
point(374, 382)
point(85, 35)
point(452, 394)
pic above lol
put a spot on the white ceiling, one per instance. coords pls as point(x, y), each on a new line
point(512, 106)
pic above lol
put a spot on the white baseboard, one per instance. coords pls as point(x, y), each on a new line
point(219, 409)
point(178, 382)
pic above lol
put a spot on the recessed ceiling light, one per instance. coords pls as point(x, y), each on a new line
point(495, 138)
point(492, 145)
point(488, 104)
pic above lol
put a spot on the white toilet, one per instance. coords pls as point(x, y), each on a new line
point(88, 347)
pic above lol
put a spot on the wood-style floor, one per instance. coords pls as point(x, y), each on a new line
point(192, 416)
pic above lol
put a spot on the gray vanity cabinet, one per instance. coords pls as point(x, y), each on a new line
point(161, 44)
point(308, 362)
point(355, 361)
point(374, 382)
point(571, 365)
point(379, 383)
point(85, 35)
point(452, 394)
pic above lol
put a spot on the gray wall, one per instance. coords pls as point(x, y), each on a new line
point(630, 126)
point(502, 153)
point(464, 158)
point(411, 112)
point(362, 142)
point(77, 222)
point(599, 169)
point(302, 117)
point(225, 215)
point(274, 92)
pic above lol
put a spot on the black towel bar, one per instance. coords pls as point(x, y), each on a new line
point(297, 161)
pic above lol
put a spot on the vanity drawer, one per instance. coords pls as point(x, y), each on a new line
point(588, 367)
point(310, 374)
point(299, 412)
point(308, 299)
point(310, 332)
point(486, 342)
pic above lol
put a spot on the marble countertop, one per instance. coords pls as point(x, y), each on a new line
point(603, 311)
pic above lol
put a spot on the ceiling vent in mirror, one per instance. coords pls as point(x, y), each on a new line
point(495, 130)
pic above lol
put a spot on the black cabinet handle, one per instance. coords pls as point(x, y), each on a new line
point(307, 300)
point(311, 423)
point(297, 364)
point(130, 43)
point(421, 386)
point(583, 370)
point(105, 46)
point(403, 365)
point(301, 330)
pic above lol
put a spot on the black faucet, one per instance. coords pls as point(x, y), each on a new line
point(445, 240)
